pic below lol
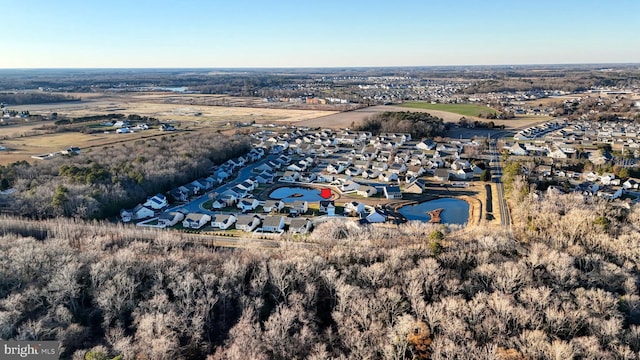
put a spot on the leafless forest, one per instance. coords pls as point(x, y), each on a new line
point(98, 184)
point(564, 286)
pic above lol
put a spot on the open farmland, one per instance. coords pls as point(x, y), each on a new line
point(347, 119)
point(29, 138)
point(462, 109)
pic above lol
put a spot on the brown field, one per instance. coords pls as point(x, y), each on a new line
point(346, 119)
point(187, 112)
point(22, 140)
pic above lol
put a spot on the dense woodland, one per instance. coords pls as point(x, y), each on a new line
point(34, 98)
point(563, 286)
point(98, 183)
point(418, 124)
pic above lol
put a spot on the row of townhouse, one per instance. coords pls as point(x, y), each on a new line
point(218, 176)
point(242, 222)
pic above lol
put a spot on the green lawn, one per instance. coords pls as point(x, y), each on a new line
point(462, 109)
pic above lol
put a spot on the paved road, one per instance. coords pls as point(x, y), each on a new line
point(496, 173)
point(245, 173)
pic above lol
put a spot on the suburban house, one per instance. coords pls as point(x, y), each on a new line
point(195, 220)
point(371, 174)
point(137, 213)
point(335, 168)
point(441, 175)
point(247, 185)
point(388, 177)
point(328, 207)
point(300, 226)
point(415, 187)
point(518, 150)
point(366, 191)
point(178, 195)
point(298, 207)
point(222, 221)
point(353, 208)
point(273, 223)
point(415, 170)
point(426, 145)
point(273, 206)
point(392, 192)
point(290, 176)
point(247, 223)
point(169, 219)
point(376, 216)
point(609, 193)
point(156, 202)
point(246, 204)
point(630, 184)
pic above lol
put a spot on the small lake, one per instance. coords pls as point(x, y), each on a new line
point(293, 193)
point(455, 211)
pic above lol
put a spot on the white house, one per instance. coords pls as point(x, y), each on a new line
point(335, 168)
point(247, 223)
point(392, 192)
point(371, 174)
point(156, 202)
point(168, 219)
point(610, 193)
point(388, 177)
point(298, 207)
point(273, 206)
point(246, 204)
point(630, 184)
point(247, 185)
point(223, 221)
point(349, 186)
point(290, 176)
point(328, 207)
point(137, 213)
point(518, 150)
point(273, 223)
point(353, 208)
point(300, 226)
point(195, 220)
point(426, 144)
point(353, 171)
point(366, 191)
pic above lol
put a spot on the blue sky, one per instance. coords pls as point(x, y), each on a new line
point(242, 33)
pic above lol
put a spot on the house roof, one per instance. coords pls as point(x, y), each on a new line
point(392, 189)
point(272, 221)
point(245, 219)
point(325, 203)
point(194, 217)
point(221, 218)
point(299, 223)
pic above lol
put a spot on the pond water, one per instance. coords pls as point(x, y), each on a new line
point(293, 193)
point(455, 211)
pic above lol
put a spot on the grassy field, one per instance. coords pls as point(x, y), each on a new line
point(462, 109)
point(26, 139)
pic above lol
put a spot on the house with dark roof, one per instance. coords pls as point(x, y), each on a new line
point(392, 192)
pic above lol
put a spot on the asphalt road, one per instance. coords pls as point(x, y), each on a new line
point(496, 173)
point(245, 173)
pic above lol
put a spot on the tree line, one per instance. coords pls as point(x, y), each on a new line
point(28, 98)
point(99, 182)
point(418, 124)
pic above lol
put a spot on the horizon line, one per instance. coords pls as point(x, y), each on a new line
point(321, 67)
